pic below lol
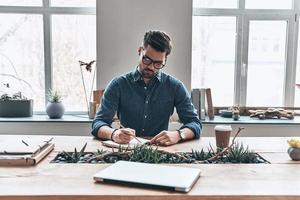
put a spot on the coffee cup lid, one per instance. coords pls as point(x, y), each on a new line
point(223, 128)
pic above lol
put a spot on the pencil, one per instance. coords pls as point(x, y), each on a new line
point(121, 126)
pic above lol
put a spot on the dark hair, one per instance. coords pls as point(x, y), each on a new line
point(158, 40)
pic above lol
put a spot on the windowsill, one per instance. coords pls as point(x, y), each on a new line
point(249, 120)
point(45, 118)
point(216, 120)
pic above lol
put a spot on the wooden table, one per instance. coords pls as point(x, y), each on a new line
point(279, 180)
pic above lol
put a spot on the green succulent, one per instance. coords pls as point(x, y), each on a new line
point(75, 156)
point(54, 96)
point(237, 153)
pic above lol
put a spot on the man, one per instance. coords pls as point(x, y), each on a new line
point(144, 100)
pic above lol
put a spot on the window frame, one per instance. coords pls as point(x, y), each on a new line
point(46, 10)
point(243, 16)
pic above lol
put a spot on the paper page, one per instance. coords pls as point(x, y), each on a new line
point(22, 145)
point(130, 145)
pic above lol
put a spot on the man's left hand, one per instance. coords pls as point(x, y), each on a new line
point(166, 138)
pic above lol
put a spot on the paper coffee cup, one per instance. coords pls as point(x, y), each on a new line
point(222, 133)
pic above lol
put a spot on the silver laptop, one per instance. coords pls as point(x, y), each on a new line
point(138, 174)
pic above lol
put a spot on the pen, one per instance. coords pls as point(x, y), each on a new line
point(24, 143)
point(121, 126)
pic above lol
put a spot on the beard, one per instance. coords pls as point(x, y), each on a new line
point(148, 73)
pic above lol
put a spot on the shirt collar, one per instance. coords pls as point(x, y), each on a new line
point(137, 75)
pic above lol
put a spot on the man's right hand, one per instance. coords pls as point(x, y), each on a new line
point(123, 135)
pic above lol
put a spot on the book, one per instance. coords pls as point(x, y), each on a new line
point(23, 152)
point(202, 104)
point(130, 145)
point(196, 99)
point(210, 108)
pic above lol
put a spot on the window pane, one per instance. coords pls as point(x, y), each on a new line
point(22, 57)
point(297, 90)
point(74, 39)
point(215, 4)
point(269, 4)
point(21, 2)
point(213, 57)
point(74, 3)
point(266, 63)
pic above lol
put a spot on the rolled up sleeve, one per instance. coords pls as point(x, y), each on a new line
point(108, 108)
point(186, 110)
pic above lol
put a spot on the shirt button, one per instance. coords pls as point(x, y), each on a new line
point(146, 102)
point(145, 116)
point(143, 130)
point(145, 88)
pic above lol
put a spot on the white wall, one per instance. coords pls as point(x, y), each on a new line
point(121, 27)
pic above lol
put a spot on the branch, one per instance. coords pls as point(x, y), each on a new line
point(225, 150)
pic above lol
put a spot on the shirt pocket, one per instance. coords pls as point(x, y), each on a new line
point(163, 108)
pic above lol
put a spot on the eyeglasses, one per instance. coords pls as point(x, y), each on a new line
point(148, 61)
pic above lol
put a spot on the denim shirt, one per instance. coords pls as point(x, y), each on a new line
point(146, 108)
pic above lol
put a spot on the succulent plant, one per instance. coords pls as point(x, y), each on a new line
point(237, 153)
point(54, 96)
point(16, 96)
point(294, 143)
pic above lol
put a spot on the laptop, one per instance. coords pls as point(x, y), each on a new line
point(128, 173)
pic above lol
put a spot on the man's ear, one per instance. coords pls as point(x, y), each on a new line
point(140, 50)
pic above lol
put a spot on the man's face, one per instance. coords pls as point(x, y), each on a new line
point(156, 59)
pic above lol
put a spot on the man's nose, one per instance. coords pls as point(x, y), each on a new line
point(151, 66)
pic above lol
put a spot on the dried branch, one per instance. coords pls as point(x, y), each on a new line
point(225, 150)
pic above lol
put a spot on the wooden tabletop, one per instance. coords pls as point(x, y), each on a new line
point(278, 180)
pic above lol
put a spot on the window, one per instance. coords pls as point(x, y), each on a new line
point(21, 2)
point(297, 89)
point(215, 4)
point(245, 54)
point(266, 67)
point(73, 39)
point(73, 3)
point(213, 56)
point(268, 4)
point(42, 48)
point(22, 55)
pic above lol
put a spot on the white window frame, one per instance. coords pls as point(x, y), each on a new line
point(46, 11)
point(241, 51)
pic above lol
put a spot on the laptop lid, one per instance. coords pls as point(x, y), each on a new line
point(143, 174)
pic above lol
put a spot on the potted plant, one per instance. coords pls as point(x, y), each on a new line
point(15, 105)
point(55, 108)
point(294, 149)
point(12, 101)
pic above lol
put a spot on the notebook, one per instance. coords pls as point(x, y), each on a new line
point(134, 142)
point(159, 176)
point(22, 145)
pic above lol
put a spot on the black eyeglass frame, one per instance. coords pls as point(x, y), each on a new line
point(150, 61)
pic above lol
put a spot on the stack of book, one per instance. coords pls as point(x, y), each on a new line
point(202, 100)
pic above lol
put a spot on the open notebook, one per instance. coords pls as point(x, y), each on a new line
point(22, 151)
point(134, 142)
point(23, 145)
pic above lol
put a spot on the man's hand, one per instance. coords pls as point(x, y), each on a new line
point(166, 138)
point(123, 135)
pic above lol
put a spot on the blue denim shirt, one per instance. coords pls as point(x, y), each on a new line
point(146, 108)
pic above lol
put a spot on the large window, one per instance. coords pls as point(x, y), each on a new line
point(40, 50)
point(245, 51)
point(214, 55)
